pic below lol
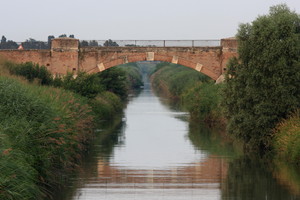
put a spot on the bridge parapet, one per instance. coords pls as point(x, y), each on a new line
point(155, 43)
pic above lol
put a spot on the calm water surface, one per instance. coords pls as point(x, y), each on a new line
point(156, 154)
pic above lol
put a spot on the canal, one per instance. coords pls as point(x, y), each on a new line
point(155, 153)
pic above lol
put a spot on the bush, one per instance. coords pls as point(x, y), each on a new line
point(31, 72)
point(114, 80)
point(203, 102)
point(287, 139)
point(106, 105)
point(87, 85)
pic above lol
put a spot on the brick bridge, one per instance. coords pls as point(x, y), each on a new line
point(65, 56)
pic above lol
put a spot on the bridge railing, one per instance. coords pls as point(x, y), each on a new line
point(152, 43)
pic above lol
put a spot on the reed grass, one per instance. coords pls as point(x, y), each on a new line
point(287, 139)
point(43, 133)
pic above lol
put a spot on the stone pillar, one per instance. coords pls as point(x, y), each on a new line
point(229, 44)
point(64, 56)
point(229, 50)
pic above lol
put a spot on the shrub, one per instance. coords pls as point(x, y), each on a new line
point(287, 139)
point(31, 72)
point(203, 101)
point(87, 85)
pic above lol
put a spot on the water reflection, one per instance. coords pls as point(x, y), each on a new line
point(251, 178)
point(154, 153)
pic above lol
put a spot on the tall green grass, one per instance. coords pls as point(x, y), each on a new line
point(43, 133)
point(203, 101)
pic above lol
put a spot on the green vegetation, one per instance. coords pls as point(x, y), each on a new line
point(263, 83)
point(31, 72)
point(45, 130)
point(133, 75)
point(43, 133)
point(287, 139)
point(174, 79)
point(203, 102)
point(199, 95)
point(118, 80)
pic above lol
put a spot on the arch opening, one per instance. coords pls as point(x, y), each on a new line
point(151, 57)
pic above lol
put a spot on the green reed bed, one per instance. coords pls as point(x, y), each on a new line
point(43, 133)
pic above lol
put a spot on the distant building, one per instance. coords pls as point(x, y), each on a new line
point(20, 47)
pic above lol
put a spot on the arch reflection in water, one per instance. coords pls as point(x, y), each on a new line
point(155, 160)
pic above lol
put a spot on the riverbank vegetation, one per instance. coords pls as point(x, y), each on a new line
point(46, 124)
point(263, 83)
point(195, 91)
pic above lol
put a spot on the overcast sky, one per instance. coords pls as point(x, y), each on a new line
point(130, 19)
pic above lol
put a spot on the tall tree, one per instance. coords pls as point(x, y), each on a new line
point(263, 83)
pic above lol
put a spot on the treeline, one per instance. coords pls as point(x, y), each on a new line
point(94, 43)
point(34, 44)
point(29, 43)
point(47, 123)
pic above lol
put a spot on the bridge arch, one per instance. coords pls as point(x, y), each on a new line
point(157, 57)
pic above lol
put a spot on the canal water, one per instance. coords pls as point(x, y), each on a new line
point(155, 153)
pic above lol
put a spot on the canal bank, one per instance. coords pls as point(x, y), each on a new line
point(45, 131)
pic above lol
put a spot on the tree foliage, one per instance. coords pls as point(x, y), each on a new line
point(114, 80)
point(84, 84)
point(110, 43)
point(31, 72)
point(7, 44)
point(263, 83)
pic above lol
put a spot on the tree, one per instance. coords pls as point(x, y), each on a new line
point(50, 38)
point(84, 43)
point(110, 43)
point(62, 35)
point(114, 80)
point(8, 44)
point(93, 43)
point(33, 44)
point(263, 83)
point(71, 36)
point(3, 39)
